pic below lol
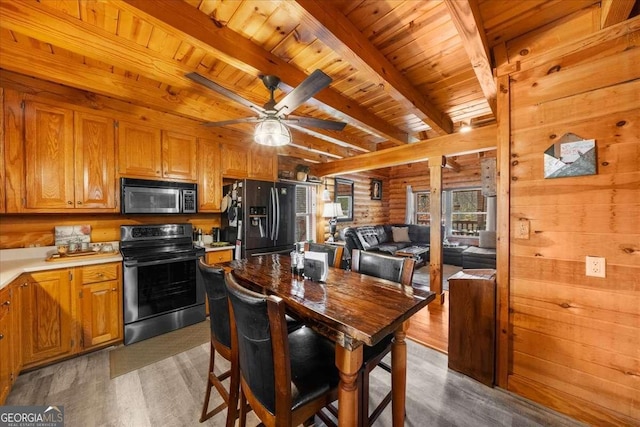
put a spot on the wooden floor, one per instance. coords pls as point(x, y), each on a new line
point(170, 392)
point(430, 326)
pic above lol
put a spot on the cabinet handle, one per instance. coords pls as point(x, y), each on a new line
point(69, 202)
point(114, 289)
point(1, 336)
point(79, 202)
point(100, 274)
point(7, 302)
point(24, 285)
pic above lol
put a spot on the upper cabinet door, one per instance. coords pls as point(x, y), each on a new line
point(234, 161)
point(179, 156)
point(48, 157)
point(95, 178)
point(139, 151)
point(264, 164)
point(209, 178)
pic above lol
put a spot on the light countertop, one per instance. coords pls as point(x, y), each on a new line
point(14, 262)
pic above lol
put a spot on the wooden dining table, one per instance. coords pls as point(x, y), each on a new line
point(349, 308)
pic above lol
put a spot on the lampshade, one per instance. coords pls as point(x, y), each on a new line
point(332, 210)
point(272, 132)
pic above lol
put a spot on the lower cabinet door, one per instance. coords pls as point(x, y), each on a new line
point(47, 318)
point(101, 313)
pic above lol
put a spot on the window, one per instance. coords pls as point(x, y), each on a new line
point(305, 213)
point(468, 212)
point(423, 208)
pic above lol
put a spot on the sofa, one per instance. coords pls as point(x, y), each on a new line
point(483, 255)
point(386, 238)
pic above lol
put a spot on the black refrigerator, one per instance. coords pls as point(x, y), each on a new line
point(260, 217)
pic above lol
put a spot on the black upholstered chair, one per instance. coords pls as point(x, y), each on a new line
point(335, 252)
point(220, 343)
point(395, 269)
point(285, 377)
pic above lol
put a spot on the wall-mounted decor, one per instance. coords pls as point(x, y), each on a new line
point(570, 156)
point(376, 189)
point(344, 196)
point(488, 172)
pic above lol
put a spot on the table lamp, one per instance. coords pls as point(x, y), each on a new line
point(333, 211)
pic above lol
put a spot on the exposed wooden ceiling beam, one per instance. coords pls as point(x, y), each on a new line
point(337, 32)
point(56, 68)
point(480, 139)
point(614, 11)
point(466, 17)
point(245, 55)
point(453, 165)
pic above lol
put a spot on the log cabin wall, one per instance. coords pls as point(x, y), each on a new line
point(575, 340)
point(366, 210)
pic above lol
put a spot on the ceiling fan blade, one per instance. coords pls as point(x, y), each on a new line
point(317, 123)
point(305, 90)
point(232, 122)
point(223, 91)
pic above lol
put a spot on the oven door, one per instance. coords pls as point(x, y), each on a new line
point(154, 287)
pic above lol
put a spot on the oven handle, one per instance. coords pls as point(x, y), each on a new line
point(135, 263)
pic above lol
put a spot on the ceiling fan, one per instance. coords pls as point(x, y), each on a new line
point(272, 118)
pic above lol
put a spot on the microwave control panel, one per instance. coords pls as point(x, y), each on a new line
point(188, 201)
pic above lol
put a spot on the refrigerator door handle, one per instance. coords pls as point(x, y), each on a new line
point(272, 212)
point(277, 218)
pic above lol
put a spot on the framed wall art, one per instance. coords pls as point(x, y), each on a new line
point(376, 189)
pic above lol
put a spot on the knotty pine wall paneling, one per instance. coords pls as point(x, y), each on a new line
point(575, 340)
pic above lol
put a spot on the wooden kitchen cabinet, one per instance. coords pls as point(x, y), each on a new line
point(263, 164)
point(179, 154)
point(234, 161)
point(69, 162)
point(101, 314)
point(216, 257)
point(139, 150)
point(6, 360)
point(48, 151)
point(255, 162)
point(209, 177)
point(147, 152)
point(47, 317)
point(95, 163)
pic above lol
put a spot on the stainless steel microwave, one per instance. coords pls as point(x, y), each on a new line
point(143, 196)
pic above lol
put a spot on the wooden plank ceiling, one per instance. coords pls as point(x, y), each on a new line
point(402, 70)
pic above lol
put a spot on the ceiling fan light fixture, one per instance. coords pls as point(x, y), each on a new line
point(272, 132)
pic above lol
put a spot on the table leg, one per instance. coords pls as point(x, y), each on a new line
point(348, 363)
point(399, 374)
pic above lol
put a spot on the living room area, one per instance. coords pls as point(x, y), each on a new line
point(388, 210)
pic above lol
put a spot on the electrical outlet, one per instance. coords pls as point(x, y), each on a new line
point(595, 266)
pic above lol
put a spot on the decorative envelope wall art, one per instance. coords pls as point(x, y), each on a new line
point(570, 156)
point(72, 233)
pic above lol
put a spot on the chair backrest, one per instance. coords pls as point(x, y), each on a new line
point(396, 269)
point(218, 305)
point(335, 252)
point(260, 332)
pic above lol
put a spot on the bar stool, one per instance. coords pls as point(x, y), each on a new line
point(286, 377)
point(220, 343)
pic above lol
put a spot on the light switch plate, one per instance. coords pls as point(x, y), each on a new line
point(595, 266)
point(522, 229)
